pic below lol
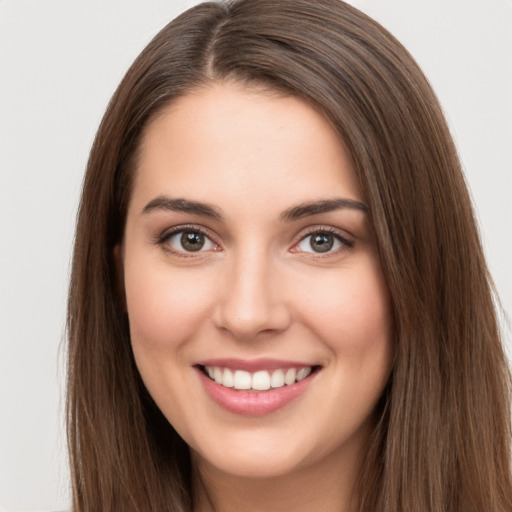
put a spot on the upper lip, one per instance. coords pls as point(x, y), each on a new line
point(253, 365)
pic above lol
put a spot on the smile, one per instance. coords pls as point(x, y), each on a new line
point(254, 388)
point(262, 380)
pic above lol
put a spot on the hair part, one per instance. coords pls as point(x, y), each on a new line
point(442, 441)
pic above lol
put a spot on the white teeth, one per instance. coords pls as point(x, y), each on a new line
point(289, 378)
point(261, 380)
point(303, 373)
point(218, 374)
point(277, 379)
point(242, 380)
point(227, 378)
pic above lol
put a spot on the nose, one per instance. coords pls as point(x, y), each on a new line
point(252, 300)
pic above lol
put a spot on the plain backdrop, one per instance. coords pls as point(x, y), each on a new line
point(60, 61)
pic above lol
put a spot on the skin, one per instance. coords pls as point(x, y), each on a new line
point(257, 289)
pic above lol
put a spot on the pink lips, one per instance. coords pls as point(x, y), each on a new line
point(253, 403)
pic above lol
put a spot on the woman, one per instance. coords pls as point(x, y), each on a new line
point(279, 298)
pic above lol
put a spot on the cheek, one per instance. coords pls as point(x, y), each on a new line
point(353, 317)
point(352, 314)
point(165, 306)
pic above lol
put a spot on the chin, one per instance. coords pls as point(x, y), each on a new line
point(263, 461)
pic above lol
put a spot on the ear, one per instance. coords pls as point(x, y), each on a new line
point(118, 254)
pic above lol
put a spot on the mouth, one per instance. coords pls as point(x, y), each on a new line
point(261, 380)
point(255, 389)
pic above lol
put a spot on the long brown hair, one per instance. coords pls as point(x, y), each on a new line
point(442, 442)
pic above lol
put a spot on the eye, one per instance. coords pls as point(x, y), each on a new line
point(322, 242)
point(188, 240)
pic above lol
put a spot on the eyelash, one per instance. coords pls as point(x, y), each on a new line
point(167, 235)
point(346, 244)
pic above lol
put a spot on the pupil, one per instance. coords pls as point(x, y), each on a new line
point(322, 242)
point(192, 241)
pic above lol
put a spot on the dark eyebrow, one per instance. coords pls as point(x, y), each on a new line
point(296, 212)
point(182, 205)
point(323, 206)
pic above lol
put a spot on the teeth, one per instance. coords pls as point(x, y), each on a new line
point(242, 380)
point(277, 379)
point(218, 375)
point(260, 381)
point(290, 375)
point(228, 378)
point(303, 373)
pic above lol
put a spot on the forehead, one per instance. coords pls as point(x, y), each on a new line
point(226, 140)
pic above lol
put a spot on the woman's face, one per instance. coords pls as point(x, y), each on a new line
point(259, 316)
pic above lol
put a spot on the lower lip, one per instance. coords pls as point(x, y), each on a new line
point(255, 403)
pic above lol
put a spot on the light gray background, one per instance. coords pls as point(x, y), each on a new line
point(60, 61)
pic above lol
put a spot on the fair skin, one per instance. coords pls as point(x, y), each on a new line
point(222, 267)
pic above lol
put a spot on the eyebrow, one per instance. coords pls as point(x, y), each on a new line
point(182, 205)
point(300, 211)
point(324, 206)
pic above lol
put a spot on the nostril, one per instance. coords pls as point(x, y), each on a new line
point(246, 323)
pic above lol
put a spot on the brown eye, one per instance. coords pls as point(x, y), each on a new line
point(188, 241)
point(321, 242)
point(192, 241)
